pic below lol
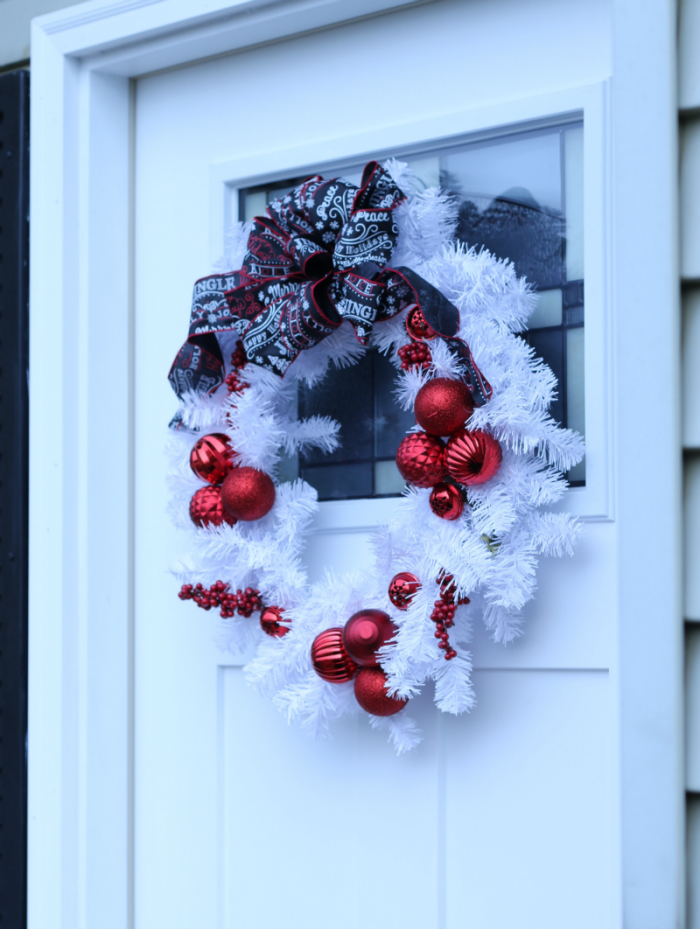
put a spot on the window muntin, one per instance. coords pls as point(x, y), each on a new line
point(519, 195)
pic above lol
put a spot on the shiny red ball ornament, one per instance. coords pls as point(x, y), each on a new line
point(446, 501)
point(370, 690)
point(417, 326)
point(210, 457)
point(206, 508)
point(443, 406)
point(402, 588)
point(270, 622)
point(364, 633)
point(247, 494)
point(329, 657)
point(421, 459)
point(473, 457)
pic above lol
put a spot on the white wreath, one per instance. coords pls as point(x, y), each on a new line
point(499, 575)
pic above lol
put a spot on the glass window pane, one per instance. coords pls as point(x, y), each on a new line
point(391, 423)
point(573, 158)
point(548, 311)
point(576, 413)
point(340, 481)
point(387, 479)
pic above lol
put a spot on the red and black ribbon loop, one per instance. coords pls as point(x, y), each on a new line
point(318, 258)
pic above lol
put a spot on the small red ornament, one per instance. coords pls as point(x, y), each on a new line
point(210, 457)
point(206, 508)
point(473, 457)
point(417, 326)
point(370, 690)
point(421, 459)
point(247, 494)
point(270, 622)
point(446, 501)
point(364, 633)
point(329, 658)
point(402, 587)
point(443, 406)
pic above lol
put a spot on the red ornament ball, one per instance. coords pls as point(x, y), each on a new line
point(206, 508)
point(421, 459)
point(446, 501)
point(247, 494)
point(402, 588)
point(329, 658)
point(370, 690)
point(473, 457)
point(210, 457)
point(364, 633)
point(443, 406)
point(270, 622)
point(417, 326)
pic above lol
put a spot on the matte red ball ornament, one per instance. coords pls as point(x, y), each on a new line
point(402, 588)
point(210, 457)
point(364, 633)
point(421, 459)
point(417, 326)
point(443, 406)
point(270, 622)
point(247, 494)
point(473, 457)
point(446, 501)
point(329, 657)
point(206, 508)
point(370, 690)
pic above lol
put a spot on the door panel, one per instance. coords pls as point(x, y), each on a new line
point(502, 819)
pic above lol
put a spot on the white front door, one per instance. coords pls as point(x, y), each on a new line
point(503, 818)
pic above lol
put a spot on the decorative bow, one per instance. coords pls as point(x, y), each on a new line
point(318, 258)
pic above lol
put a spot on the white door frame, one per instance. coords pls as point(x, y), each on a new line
point(81, 467)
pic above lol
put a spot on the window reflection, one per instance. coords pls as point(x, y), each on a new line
point(521, 197)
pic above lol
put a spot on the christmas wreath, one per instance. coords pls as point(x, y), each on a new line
point(331, 269)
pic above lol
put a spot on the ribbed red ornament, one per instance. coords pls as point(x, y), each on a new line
point(364, 633)
point(443, 406)
point(329, 657)
point(248, 494)
point(446, 501)
point(421, 459)
point(402, 587)
point(370, 690)
point(210, 457)
point(473, 457)
point(417, 326)
point(270, 622)
point(206, 508)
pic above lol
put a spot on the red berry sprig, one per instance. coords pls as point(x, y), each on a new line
point(238, 362)
point(443, 614)
point(219, 595)
point(415, 355)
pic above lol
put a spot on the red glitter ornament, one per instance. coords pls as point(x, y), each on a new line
point(364, 633)
point(443, 406)
point(247, 494)
point(206, 508)
point(370, 690)
point(417, 326)
point(473, 457)
point(329, 658)
point(421, 459)
point(402, 588)
point(446, 501)
point(270, 622)
point(210, 457)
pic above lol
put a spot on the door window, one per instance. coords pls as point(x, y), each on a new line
point(520, 195)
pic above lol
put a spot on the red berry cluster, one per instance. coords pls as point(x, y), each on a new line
point(238, 362)
point(219, 595)
point(443, 614)
point(414, 355)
